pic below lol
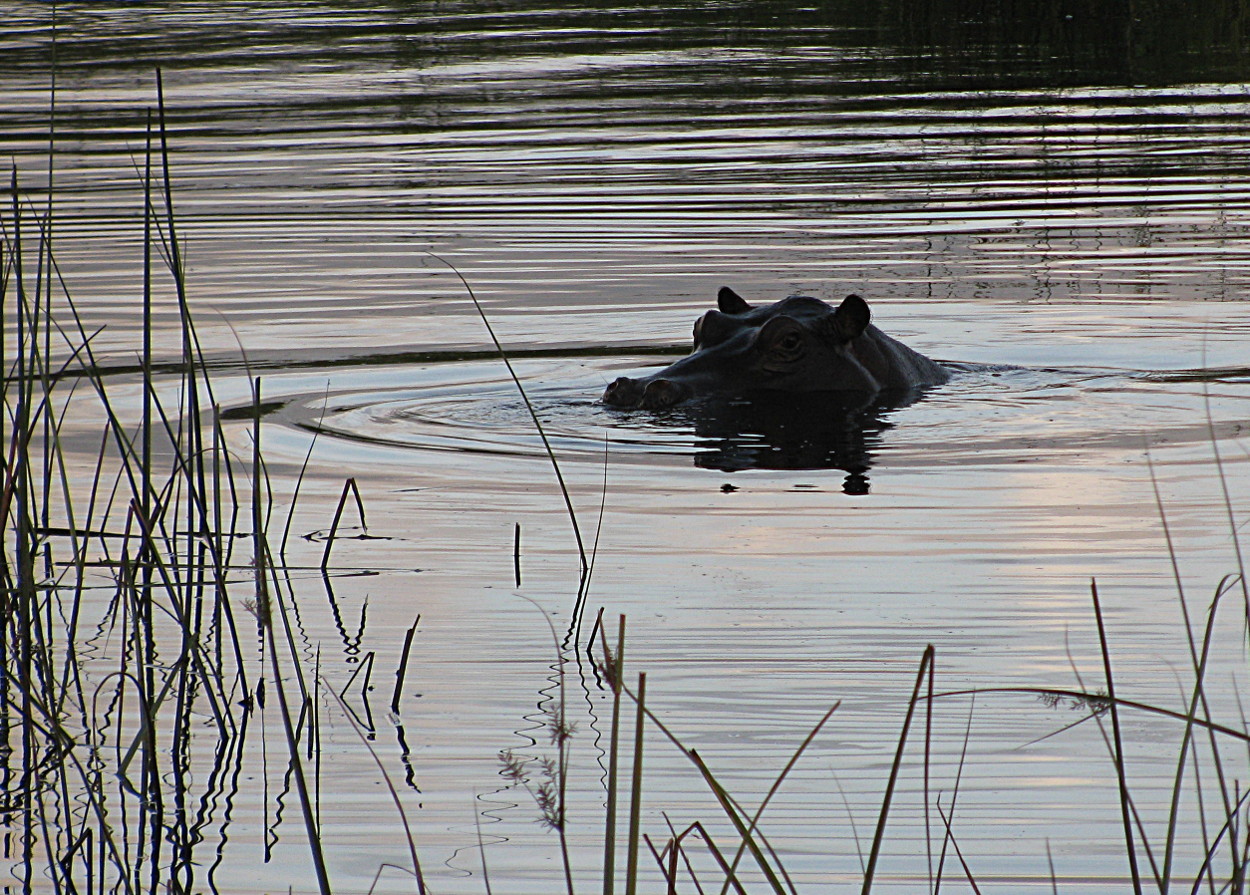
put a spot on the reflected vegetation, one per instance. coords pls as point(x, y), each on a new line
point(936, 43)
point(837, 49)
point(603, 154)
point(147, 666)
point(1018, 43)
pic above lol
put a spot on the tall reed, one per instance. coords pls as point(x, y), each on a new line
point(106, 767)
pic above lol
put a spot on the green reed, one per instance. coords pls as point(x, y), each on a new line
point(107, 774)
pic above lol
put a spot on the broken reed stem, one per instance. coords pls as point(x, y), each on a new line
point(366, 665)
point(349, 487)
point(516, 554)
point(666, 860)
point(403, 665)
point(731, 880)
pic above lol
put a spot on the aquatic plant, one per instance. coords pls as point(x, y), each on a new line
point(109, 781)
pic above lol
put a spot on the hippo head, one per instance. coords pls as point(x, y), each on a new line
point(798, 345)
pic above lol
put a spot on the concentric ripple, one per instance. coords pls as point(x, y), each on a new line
point(984, 415)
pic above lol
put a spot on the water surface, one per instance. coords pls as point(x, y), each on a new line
point(1059, 214)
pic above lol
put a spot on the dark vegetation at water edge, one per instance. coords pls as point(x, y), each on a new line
point(1068, 42)
point(953, 44)
point(971, 44)
point(137, 597)
point(996, 43)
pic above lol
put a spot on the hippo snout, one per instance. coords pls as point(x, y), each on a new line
point(647, 394)
point(623, 392)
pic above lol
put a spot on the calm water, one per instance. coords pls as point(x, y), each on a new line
point(1059, 210)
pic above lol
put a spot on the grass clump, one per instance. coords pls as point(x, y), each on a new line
point(113, 771)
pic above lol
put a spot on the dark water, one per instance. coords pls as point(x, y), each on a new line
point(1052, 197)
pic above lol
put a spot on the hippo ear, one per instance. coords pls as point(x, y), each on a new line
point(731, 302)
point(851, 318)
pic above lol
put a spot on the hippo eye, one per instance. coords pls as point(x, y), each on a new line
point(790, 342)
point(782, 344)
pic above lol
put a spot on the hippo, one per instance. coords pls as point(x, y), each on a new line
point(800, 345)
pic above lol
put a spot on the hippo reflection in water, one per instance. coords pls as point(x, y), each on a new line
point(793, 385)
point(799, 345)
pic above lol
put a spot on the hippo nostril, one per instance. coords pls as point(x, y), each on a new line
point(655, 394)
point(662, 393)
point(622, 392)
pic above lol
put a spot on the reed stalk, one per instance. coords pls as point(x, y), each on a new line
point(111, 788)
point(878, 838)
point(614, 662)
point(635, 789)
point(1121, 775)
point(533, 414)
